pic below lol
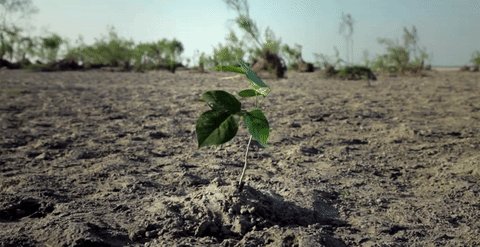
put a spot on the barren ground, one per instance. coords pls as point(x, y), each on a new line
point(110, 159)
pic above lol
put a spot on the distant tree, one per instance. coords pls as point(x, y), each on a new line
point(264, 50)
point(244, 21)
point(50, 46)
point(346, 29)
point(9, 36)
point(14, 45)
point(9, 9)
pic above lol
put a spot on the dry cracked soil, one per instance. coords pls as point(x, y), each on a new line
point(110, 159)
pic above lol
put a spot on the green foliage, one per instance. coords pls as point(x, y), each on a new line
point(215, 128)
point(255, 82)
point(222, 101)
point(203, 60)
point(229, 53)
point(15, 46)
point(476, 58)
point(111, 50)
point(21, 8)
point(247, 93)
point(50, 46)
point(116, 51)
point(402, 57)
point(356, 73)
point(324, 61)
point(8, 38)
point(256, 44)
point(228, 68)
point(292, 55)
point(154, 55)
point(271, 45)
point(257, 125)
point(220, 124)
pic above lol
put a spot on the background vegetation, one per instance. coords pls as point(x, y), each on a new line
point(244, 42)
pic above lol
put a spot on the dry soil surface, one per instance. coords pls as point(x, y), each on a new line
point(111, 159)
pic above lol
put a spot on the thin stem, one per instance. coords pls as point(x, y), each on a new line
point(240, 183)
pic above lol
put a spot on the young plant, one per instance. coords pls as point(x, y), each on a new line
point(220, 124)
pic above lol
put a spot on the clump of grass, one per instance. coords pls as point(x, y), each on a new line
point(356, 73)
point(403, 57)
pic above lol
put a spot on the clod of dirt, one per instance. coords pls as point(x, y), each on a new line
point(157, 135)
point(26, 207)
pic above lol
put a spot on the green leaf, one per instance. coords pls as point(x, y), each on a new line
point(248, 93)
point(215, 128)
point(222, 101)
point(228, 68)
point(257, 83)
point(257, 125)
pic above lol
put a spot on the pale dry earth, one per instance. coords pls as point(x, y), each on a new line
point(110, 159)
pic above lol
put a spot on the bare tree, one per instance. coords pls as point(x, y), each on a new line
point(12, 10)
point(346, 29)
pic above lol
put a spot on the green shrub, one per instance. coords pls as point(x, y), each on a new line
point(402, 57)
point(155, 55)
point(356, 73)
point(111, 50)
point(230, 52)
point(476, 58)
point(49, 47)
point(292, 55)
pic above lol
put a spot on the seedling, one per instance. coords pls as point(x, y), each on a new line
point(220, 124)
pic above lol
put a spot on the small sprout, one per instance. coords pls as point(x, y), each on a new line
point(220, 124)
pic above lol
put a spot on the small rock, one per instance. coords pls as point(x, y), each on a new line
point(85, 154)
point(241, 225)
point(309, 151)
point(157, 135)
point(295, 125)
point(41, 156)
point(151, 234)
point(206, 228)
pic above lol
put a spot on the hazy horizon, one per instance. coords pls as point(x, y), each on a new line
point(448, 29)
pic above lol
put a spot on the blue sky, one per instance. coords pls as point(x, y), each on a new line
point(449, 29)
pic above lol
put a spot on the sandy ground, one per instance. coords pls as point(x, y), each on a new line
point(110, 159)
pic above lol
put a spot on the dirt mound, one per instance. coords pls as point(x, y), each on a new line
point(270, 63)
point(220, 214)
point(305, 67)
